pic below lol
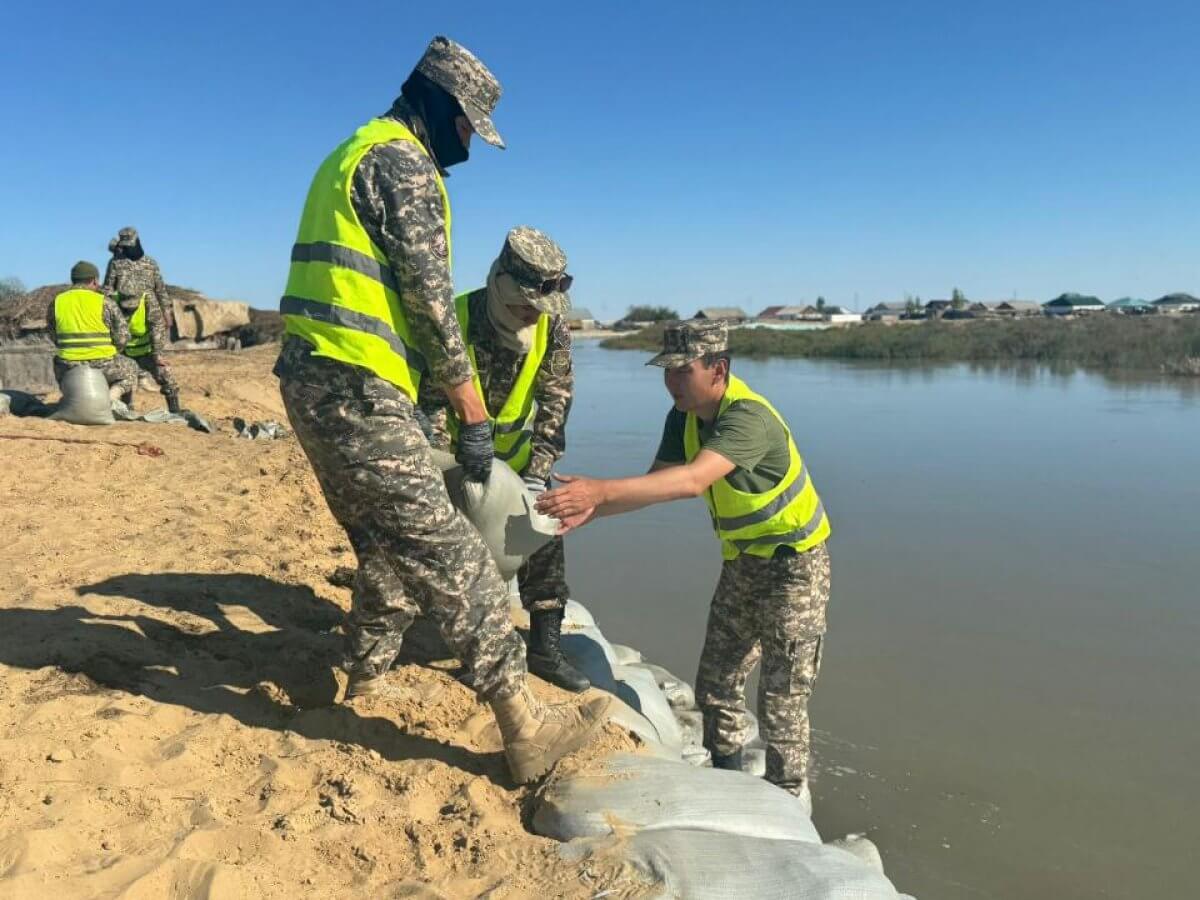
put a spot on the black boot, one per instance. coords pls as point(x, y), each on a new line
point(172, 401)
point(728, 760)
point(127, 399)
point(545, 658)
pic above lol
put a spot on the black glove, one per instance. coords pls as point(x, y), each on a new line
point(475, 450)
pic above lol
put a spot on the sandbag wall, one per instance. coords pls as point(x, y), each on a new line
point(699, 833)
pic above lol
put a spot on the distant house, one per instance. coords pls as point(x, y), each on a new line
point(1014, 308)
point(732, 313)
point(838, 315)
point(882, 312)
point(936, 308)
point(1132, 306)
point(1177, 303)
point(801, 313)
point(771, 312)
point(1073, 305)
point(580, 319)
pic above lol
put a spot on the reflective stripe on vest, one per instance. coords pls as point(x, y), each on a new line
point(79, 327)
point(140, 343)
point(342, 295)
point(788, 515)
point(512, 427)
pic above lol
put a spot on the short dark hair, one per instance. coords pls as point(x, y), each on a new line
point(711, 359)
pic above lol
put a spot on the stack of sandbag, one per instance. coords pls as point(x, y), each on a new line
point(85, 398)
point(703, 833)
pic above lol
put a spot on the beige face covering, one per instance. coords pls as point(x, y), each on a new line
point(503, 290)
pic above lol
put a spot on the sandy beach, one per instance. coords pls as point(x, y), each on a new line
point(168, 642)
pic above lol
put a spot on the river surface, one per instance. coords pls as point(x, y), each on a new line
point(1009, 704)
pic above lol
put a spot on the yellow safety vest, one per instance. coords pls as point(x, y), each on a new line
point(512, 427)
point(79, 327)
point(139, 334)
point(788, 515)
point(342, 295)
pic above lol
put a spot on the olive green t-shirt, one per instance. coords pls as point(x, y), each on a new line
point(746, 434)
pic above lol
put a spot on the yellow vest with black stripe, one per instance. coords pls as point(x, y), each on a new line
point(342, 295)
point(140, 343)
point(512, 426)
point(79, 327)
point(788, 515)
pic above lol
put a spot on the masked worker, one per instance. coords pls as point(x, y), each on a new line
point(727, 444)
point(519, 344)
point(368, 314)
point(135, 280)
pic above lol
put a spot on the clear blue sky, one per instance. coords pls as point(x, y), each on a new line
point(751, 154)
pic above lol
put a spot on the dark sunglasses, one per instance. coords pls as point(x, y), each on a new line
point(561, 283)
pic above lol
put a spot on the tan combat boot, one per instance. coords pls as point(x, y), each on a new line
point(537, 736)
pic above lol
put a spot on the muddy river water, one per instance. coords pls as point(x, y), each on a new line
point(1010, 698)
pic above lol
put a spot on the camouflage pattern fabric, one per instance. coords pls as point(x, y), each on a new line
point(128, 279)
point(532, 258)
point(416, 553)
point(690, 340)
point(153, 362)
point(773, 609)
point(542, 581)
point(456, 70)
point(498, 370)
point(394, 192)
point(120, 371)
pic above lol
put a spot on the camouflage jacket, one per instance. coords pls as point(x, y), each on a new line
point(499, 367)
point(117, 326)
point(130, 278)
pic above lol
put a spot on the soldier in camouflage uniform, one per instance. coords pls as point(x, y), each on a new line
point(132, 276)
point(726, 443)
point(118, 370)
point(527, 281)
point(416, 553)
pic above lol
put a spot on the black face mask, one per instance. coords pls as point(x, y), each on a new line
point(438, 110)
point(134, 252)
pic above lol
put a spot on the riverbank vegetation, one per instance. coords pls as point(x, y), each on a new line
point(1166, 344)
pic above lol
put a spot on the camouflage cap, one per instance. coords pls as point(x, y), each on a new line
point(534, 260)
point(83, 272)
point(457, 70)
point(684, 342)
point(127, 237)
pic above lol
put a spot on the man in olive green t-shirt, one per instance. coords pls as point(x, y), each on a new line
point(726, 443)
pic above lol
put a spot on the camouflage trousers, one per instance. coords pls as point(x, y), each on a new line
point(543, 579)
point(153, 363)
point(416, 553)
point(773, 609)
point(120, 371)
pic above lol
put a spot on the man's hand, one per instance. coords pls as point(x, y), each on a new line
point(578, 496)
point(570, 523)
point(475, 451)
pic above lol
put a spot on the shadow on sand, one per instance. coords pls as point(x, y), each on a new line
point(221, 668)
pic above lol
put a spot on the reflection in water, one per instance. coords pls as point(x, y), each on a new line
point(1008, 701)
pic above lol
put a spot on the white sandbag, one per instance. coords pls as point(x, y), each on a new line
point(627, 656)
point(577, 616)
point(502, 510)
point(696, 755)
point(691, 726)
point(588, 651)
point(705, 865)
point(621, 713)
point(654, 794)
point(85, 398)
point(677, 691)
point(862, 847)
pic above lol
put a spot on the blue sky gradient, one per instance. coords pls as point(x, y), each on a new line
point(687, 154)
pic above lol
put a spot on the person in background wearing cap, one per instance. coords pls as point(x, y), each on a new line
point(520, 346)
point(726, 443)
point(368, 315)
point(136, 282)
point(89, 330)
